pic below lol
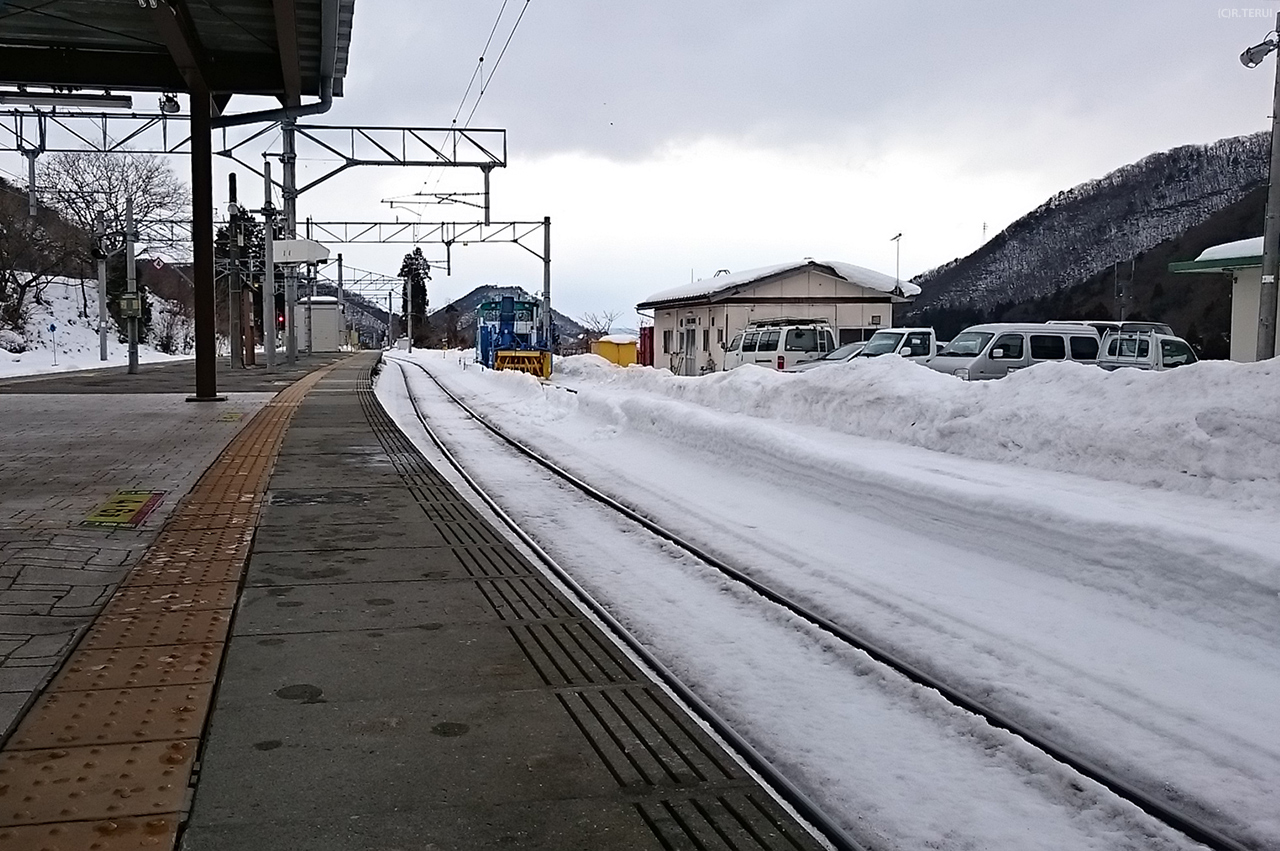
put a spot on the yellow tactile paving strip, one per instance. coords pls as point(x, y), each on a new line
point(103, 760)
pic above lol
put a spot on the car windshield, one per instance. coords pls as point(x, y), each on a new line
point(967, 345)
point(845, 351)
point(881, 343)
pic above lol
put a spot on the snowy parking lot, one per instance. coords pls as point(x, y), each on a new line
point(1096, 554)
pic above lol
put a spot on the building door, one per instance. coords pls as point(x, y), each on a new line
point(689, 352)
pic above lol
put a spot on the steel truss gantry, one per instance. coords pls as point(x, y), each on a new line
point(449, 234)
point(32, 132)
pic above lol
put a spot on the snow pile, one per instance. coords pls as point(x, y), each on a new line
point(1212, 428)
point(72, 310)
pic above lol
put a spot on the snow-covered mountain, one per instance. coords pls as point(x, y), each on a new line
point(1078, 233)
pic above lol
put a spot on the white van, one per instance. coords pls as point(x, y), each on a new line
point(779, 343)
point(1144, 350)
point(917, 344)
point(995, 350)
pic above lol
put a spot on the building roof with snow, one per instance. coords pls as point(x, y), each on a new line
point(722, 286)
point(1241, 254)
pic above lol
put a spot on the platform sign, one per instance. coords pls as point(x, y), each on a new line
point(125, 509)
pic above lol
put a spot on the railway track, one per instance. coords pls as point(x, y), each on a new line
point(1160, 810)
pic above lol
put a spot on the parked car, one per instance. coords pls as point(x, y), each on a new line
point(779, 343)
point(917, 344)
point(1144, 350)
point(995, 350)
point(841, 355)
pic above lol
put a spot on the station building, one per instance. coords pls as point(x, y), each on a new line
point(692, 323)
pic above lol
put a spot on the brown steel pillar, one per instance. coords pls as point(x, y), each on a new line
point(202, 246)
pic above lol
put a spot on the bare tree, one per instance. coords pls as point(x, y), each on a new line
point(599, 324)
point(81, 184)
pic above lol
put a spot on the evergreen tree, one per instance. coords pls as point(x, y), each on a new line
point(416, 271)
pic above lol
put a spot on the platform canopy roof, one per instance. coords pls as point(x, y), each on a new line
point(281, 48)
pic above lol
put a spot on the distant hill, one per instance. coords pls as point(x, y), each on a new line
point(1064, 259)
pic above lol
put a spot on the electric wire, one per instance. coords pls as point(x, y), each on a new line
point(484, 87)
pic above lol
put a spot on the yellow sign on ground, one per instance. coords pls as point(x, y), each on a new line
point(125, 508)
point(230, 416)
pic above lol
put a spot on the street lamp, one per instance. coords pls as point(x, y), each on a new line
point(1251, 58)
point(897, 259)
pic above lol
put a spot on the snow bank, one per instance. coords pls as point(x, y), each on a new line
point(1212, 428)
point(74, 342)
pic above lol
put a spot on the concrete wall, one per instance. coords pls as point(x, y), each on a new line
point(805, 295)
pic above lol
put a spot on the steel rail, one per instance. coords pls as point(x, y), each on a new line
point(1156, 808)
point(808, 810)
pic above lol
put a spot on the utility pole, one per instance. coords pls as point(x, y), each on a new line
point(100, 231)
point(289, 165)
point(134, 309)
point(1271, 235)
point(233, 279)
point(546, 281)
point(311, 277)
point(390, 295)
point(342, 308)
point(897, 262)
point(1266, 349)
point(269, 267)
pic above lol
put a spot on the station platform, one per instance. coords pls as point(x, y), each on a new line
point(313, 642)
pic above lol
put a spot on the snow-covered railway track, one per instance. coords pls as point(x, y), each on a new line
point(1162, 811)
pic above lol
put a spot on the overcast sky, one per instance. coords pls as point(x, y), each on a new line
point(674, 137)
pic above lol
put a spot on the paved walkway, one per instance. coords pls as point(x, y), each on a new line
point(69, 442)
point(389, 673)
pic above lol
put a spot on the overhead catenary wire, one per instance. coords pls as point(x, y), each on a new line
point(478, 73)
point(484, 87)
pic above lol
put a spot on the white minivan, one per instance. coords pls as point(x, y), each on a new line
point(995, 350)
point(779, 343)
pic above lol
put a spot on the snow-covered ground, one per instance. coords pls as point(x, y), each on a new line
point(73, 345)
point(1096, 554)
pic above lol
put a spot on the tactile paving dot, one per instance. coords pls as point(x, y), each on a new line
point(185, 627)
point(123, 834)
point(153, 599)
point(99, 782)
point(112, 716)
point(163, 571)
point(136, 667)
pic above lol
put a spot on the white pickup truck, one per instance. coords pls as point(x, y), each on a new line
point(917, 344)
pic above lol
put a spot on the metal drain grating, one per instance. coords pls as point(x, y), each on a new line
point(735, 821)
point(643, 742)
point(492, 561)
point(524, 598)
point(448, 512)
point(469, 534)
point(571, 654)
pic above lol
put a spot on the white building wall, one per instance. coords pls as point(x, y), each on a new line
point(327, 326)
point(715, 324)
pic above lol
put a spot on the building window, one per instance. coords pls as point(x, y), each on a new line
point(719, 335)
point(666, 342)
point(875, 319)
point(713, 320)
point(706, 339)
